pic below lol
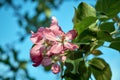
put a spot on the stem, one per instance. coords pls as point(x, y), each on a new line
point(83, 43)
point(61, 74)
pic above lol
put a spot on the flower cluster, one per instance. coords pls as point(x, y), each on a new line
point(50, 45)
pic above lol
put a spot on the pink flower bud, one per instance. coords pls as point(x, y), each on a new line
point(55, 68)
point(63, 58)
point(46, 61)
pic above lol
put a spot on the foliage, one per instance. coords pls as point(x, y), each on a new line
point(95, 26)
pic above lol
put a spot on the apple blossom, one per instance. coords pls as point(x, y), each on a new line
point(49, 44)
point(60, 39)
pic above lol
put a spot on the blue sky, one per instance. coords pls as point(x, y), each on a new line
point(9, 27)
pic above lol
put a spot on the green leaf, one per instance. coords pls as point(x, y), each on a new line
point(102, 16)
point(71, 76)
point(84, 71)
point(98, 63)
point(68, 78)
point(76, 17)
point(115, 45)
point(109, 7)
point(99, 43)
point(103, 35)
point(77, 72)
point(107, 26)
point(75, 67)
point(84, 24)
point(86, 36)
point(100, 69)
point(71, 71)
point(75, 64)
point(84, 10)
point(73, 55)
point(93, 27)
point(116, 39)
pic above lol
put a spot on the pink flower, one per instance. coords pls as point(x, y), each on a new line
point(55, 68)
point(37, 37)
point(46, 61)
point(36, 54)
point(60, 39)
point(50, 45)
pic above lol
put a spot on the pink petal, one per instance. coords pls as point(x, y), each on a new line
point(46, 61)
point(71, 35)
point(48, 34)
point(49, 53)
point(37, 37)
point(54, 24)
point(55, 68)
point(55, 27)
point(63, 58)
point(56, 48)
point(70, 46)
point(36, 54)
point(56, 30)
point(54, 21)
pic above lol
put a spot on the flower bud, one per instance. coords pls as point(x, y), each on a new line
point(55, 68)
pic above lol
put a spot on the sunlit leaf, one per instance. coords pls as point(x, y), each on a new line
point(86, 10)
point(100, 69)
point(93, 27)
point(84, 24)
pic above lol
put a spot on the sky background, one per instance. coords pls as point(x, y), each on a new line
point(9, 28)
